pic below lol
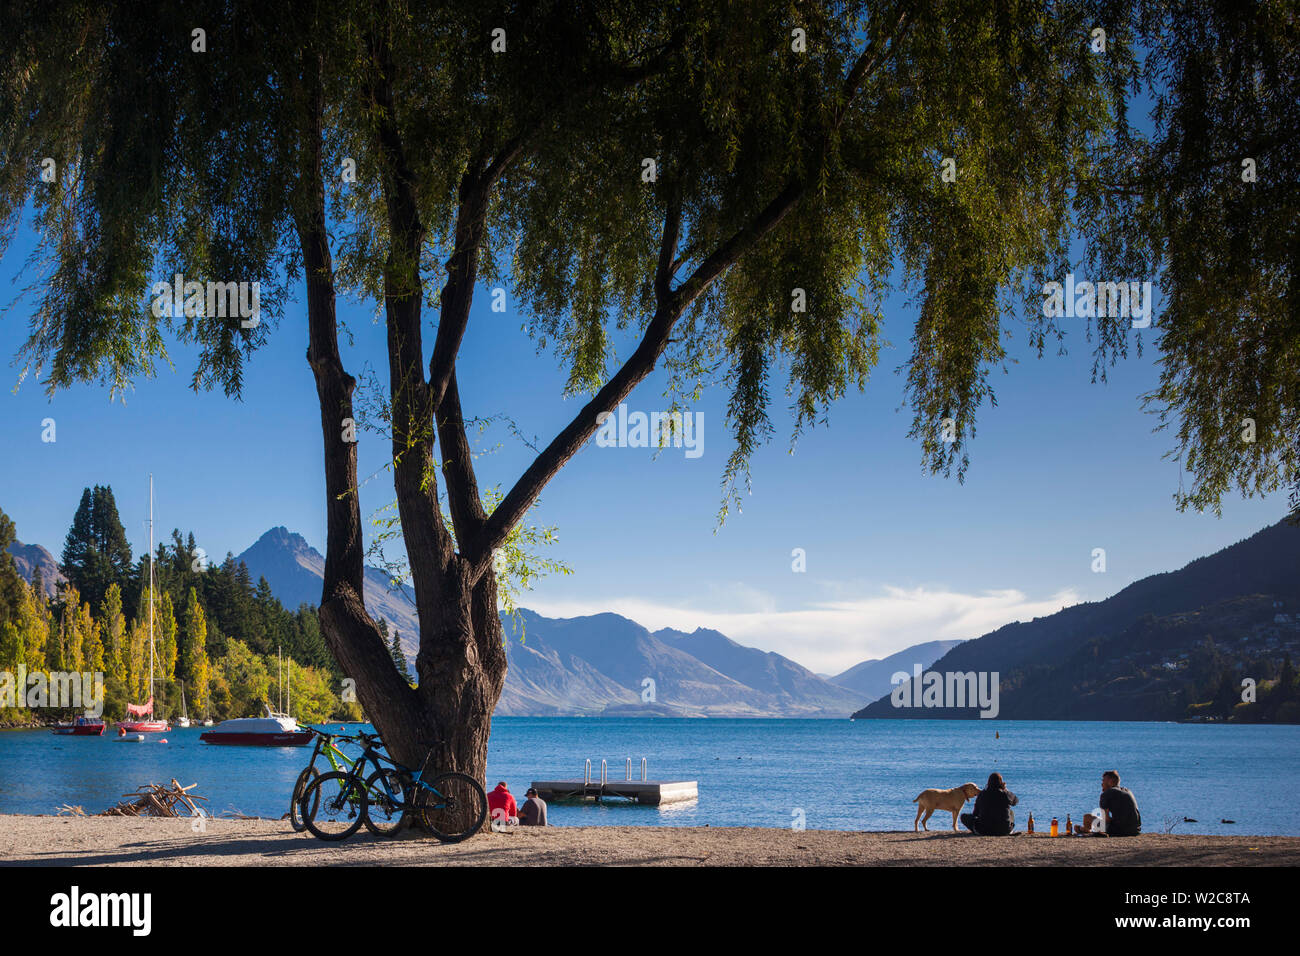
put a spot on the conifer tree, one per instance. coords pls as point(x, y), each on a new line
point(399, 656)
point(11, 582)
point(96, 553)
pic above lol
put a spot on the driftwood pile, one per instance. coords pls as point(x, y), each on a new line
point(150, 800)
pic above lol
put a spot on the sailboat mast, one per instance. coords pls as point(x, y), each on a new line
point(152, 711)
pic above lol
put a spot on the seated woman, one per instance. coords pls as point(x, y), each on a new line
point(992, 814)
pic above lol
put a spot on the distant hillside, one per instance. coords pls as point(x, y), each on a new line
point(1154, 651)
point(295, 570)
point(586, 665)
point(28, 557)
point(765, 671)
point(601, 664)
point(870, 679)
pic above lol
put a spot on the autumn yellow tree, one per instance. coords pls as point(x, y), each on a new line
point(137, 663)
point(194, 652)
point(115, 645)
point(76, 626)
point(90, 646)
point(34, 628)
point(165, 629)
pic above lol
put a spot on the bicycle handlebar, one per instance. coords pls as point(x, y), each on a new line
point(362, 738)
point(330, 738)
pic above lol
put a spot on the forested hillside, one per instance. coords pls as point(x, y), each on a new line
point(215, 630)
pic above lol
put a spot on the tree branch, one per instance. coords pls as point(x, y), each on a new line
point(670, 304)
point(463, 500)
point(428, 544)
point(462, 269)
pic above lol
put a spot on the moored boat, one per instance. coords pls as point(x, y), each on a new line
point(142, 726)
point(145, 726)
point(82, 727)
point(275, 730)
point(152, 725)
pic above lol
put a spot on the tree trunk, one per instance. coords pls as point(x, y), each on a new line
point(461, 663)
point(462, 668)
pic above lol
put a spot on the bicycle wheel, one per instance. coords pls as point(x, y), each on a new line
point(333, 805)
point(304, 781)
point(386, 806)
point(454, 808)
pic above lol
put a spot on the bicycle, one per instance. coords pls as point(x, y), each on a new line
point(452, 806)
point(325, 744)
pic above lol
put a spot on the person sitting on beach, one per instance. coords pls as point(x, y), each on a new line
point(1094, 824)
point(992, 814)
point(533, 812)
point(501, 807)
point(1120, 807)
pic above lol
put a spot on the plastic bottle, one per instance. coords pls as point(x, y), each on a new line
point(1056, 828)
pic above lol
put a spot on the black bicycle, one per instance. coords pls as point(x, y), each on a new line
point(328, 745)
point(452, 806)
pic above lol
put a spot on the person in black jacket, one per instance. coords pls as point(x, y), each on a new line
point(992, 814)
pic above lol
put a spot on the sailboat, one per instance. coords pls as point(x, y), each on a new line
point(150, 726)
point(184, 720)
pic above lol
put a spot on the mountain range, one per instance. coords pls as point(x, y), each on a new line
point(1148, 652)
point(607, 664)
point(599, 664)
point(871, 679)
point(1145, 653)
point(295, 570)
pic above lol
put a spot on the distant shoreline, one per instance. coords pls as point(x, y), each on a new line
point(137, 841)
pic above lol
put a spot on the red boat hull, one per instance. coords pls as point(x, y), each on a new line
point(82, 730)
point(144, 726)
point(259, 740)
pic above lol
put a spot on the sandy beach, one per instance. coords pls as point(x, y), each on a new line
point(134, 841)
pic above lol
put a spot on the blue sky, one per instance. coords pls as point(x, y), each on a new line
point(893, 556)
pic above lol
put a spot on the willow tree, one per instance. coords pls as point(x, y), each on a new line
point(1209, 202)
point(735, 186)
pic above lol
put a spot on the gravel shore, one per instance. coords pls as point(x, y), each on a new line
point(134, 841)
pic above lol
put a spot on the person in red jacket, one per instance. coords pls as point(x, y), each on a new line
point(501, 807)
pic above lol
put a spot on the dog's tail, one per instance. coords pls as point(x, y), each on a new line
point(916, 798)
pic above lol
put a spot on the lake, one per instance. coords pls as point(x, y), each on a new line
point(836, 774)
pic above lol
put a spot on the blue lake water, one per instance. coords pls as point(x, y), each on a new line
point(839, 774)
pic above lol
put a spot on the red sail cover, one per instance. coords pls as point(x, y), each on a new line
point(140, 710)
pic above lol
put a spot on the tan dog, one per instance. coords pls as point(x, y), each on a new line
point(952, 800)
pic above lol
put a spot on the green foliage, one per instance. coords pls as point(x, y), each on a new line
point(1225, 85)
point(194, 651)
point(803, 188)
point(165, 635)
point(733, 117)
point(96, 554)
point(11, 582)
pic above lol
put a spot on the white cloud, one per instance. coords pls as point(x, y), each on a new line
point(830, 636)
